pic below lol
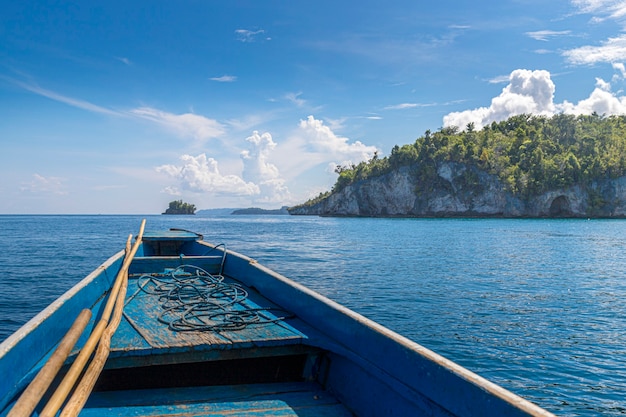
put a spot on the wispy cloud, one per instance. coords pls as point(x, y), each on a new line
point(602, 9)
point(611, 50)
point(224, 79)
point(189, 125)
point(295, 99)
point(499, 79)
point(81, 104)
point(546, 35)
point(124, 60)
point(245, 35)
point(186, 125)
point(46, 185)
point(402, 106)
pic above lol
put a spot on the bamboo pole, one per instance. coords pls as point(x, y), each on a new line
point(66, 385)
point(29, 399)
point(89, 379)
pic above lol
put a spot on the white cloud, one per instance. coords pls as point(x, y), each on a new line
point(611, 50)
point(601, 101)
point(124, 60)
point(602, 9)
point(527, 92)
point(500, 79)
point(620, 67)
point(260, 180)
point(295, 99)
point(532, 92)
point(200, 174)
point(402, 106)
point(190, 125)
point(45, 185)
point(245, 35)
point(321, 139)
point(81, 104)
point(545, 35)
point(224, 79)
point(258, 170)
point(311, 144)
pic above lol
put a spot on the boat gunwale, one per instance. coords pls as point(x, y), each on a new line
point(284, 285)
point(465, 374)
point(9, 343)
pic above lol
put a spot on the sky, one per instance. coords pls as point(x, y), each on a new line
point(111, 107)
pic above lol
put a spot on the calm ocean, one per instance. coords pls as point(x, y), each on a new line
point(537, 306)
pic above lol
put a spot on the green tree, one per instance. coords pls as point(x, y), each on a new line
point(179, 207)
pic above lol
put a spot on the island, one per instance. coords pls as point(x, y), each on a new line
point(179, 207)
point(526, 166)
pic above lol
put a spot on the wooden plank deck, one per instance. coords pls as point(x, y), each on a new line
point(301, 399)
point(141, 332)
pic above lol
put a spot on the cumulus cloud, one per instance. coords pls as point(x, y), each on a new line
point(265, 175)
point(527, 92)
point(260, 180)
point(200, 174)
point(322, 139)
point(601, 101)
point(186, 125)
point(532, 92)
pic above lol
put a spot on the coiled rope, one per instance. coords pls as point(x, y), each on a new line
point(194, 300)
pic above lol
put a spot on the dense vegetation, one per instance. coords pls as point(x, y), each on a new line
point(530, 154)
point(178, 207)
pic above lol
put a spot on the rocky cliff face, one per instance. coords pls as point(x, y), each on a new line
point(465, 191)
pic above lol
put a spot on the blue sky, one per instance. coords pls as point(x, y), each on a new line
point(121, 107)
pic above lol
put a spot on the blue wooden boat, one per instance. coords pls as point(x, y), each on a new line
point(173, 325)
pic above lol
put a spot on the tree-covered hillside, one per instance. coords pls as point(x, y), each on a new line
point(530, 154)
point(179, 207)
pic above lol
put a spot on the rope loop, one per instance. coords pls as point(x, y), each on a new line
point(194, 300)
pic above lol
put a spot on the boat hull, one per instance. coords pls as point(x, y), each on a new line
point(306, 353)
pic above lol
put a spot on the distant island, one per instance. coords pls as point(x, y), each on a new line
point(179, 207)
point(256, 210)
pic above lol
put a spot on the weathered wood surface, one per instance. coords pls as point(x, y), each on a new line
point(142, 330)
point(300, 399)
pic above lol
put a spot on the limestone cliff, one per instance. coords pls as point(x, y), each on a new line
point(466, 191)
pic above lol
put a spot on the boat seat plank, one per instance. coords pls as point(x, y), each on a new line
point(303, 399)
point(140, 265)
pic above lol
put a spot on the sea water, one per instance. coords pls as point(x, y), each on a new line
point(537, 306)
